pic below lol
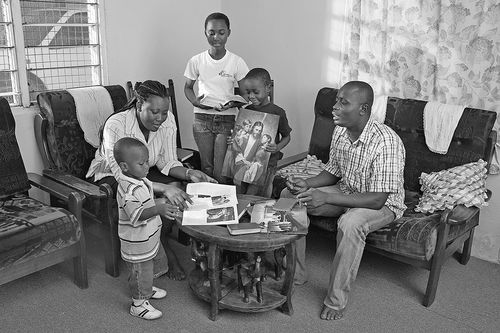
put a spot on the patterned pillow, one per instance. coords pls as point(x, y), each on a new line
point(306, 168)
point(464, 184)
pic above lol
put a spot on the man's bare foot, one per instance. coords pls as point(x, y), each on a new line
point(331, 314)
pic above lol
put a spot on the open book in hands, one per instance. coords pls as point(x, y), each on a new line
point(221, 101)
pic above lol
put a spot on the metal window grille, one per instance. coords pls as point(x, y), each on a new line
point(9, 85)
point(56, 40)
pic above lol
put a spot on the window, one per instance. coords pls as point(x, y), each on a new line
point(47, 45)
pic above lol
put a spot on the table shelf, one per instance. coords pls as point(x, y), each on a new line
point(231, 298)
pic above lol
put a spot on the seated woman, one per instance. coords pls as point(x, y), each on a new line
point(147, 118)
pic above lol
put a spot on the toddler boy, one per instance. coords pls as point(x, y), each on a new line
point(139, 224)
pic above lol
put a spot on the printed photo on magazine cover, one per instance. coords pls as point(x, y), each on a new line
point(246, 159)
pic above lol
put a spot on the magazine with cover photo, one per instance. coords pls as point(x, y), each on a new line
point(246, 159)
point(212, 204)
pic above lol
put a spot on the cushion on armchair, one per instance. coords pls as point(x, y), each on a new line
point(319, 145)
point(29, 228)
point(66, 142)
point(14, 179)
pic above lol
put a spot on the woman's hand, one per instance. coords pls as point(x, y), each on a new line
point(197, 176)
point(176, 196)
point(296, 185)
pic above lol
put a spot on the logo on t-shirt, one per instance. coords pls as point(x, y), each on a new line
point(224, 74)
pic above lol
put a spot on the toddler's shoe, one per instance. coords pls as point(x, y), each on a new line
point(145, 311)
point(158, 293)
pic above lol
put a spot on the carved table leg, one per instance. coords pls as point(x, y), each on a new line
point(213, 276)
point(288, 283)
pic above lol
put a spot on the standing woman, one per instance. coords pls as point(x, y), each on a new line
point(217, 71)
point(147, 118)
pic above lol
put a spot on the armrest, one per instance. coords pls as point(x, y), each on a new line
point(461, 214)
point(75, 183)
point(291, 159)
point(60, 191)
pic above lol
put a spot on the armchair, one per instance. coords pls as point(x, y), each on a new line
point(422, 240)
point(33, 235)
point(67, 157)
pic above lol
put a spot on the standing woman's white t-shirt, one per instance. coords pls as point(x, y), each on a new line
point(216, 77)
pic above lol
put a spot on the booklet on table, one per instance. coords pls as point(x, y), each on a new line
point(213, 204)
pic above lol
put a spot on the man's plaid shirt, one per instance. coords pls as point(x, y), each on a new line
point(373, 163)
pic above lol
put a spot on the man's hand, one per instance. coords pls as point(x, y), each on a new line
point(312, 198)
point(198, 104)
point(296, 185)
point(197, 176)
point(176, 196)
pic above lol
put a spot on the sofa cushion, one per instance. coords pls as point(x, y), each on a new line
point(29, 228)
point(414, 235)
point(13, 177)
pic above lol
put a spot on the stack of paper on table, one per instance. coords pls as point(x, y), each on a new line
point(291, 222)
point(213, 204)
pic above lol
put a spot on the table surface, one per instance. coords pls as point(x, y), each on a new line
point(221, 236)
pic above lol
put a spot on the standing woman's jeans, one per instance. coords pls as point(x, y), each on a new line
point(210, 133)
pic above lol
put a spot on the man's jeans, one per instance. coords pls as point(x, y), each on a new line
point(353, 226)
point(210, 134)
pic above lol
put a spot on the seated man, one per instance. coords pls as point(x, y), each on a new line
point(362, 185)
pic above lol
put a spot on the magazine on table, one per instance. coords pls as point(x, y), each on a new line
point(213, 204)
point(246, 159)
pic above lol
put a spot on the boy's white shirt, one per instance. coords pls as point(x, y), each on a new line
point(216, 77)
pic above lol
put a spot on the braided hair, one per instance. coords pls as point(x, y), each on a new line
point(142, 91)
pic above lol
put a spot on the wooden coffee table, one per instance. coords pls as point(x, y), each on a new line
point(222, 289)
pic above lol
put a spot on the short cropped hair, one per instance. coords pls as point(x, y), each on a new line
point(124, 144)
point(364, 89)
point(217, 16)
point(259, 74)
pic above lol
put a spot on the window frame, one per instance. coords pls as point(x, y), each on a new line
point(20, 84)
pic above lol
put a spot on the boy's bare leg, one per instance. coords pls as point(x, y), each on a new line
point(331, 314)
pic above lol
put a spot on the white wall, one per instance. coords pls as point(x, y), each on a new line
point(297, 41)
point(153, 40)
